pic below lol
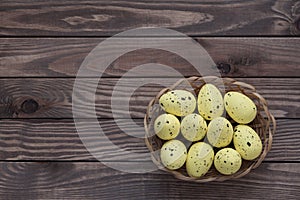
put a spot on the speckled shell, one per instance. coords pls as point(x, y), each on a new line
point(219, 132)
point(199, 160)
point(228, 161)
point(178, 102)
point(167, 126)
point(247, 142)
point(173, 154)
point(240, 107)
point(210, 102)
point(193, 127)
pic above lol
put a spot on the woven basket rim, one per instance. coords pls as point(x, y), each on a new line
point(268, 133)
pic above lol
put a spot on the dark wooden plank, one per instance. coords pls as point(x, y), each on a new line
point(193, 17)
point(62, 57)
point(52, 98)
point(58, 140)
point(95, 181)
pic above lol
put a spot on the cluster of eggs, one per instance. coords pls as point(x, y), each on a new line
point(210, 124)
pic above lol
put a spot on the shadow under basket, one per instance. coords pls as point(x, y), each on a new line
point(264, 124)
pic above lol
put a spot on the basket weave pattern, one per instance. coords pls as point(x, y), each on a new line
point(264, 124)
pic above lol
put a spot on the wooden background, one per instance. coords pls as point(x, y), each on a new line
point(42, 45)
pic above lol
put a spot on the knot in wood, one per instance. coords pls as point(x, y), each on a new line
point(29, 106)
point(224, 67)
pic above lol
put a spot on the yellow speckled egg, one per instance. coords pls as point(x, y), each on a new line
point(199, 160)
point(247, 142)
point(219, 132)
point(173, 154)
point(193, 127)
point(240, 107)
point(210, 102)
point(166, 126)
point(178, 102)
point(228, 161)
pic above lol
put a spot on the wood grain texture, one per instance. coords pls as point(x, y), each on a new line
point(193, 17)
point(62, 57)
point(95, 181)
point(52, 98)
point(58, 140)
point(42, 155)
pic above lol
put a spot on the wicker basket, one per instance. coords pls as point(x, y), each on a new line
point(264, 124)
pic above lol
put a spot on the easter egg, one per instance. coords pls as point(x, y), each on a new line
point(166, 126)
point(227, 161)
point(247, 142)
point(240, 107)
point(219, 132)
point(193, 127)
point(210, 102)
point(178, 102)
point(173, 154)
point(199, 159)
